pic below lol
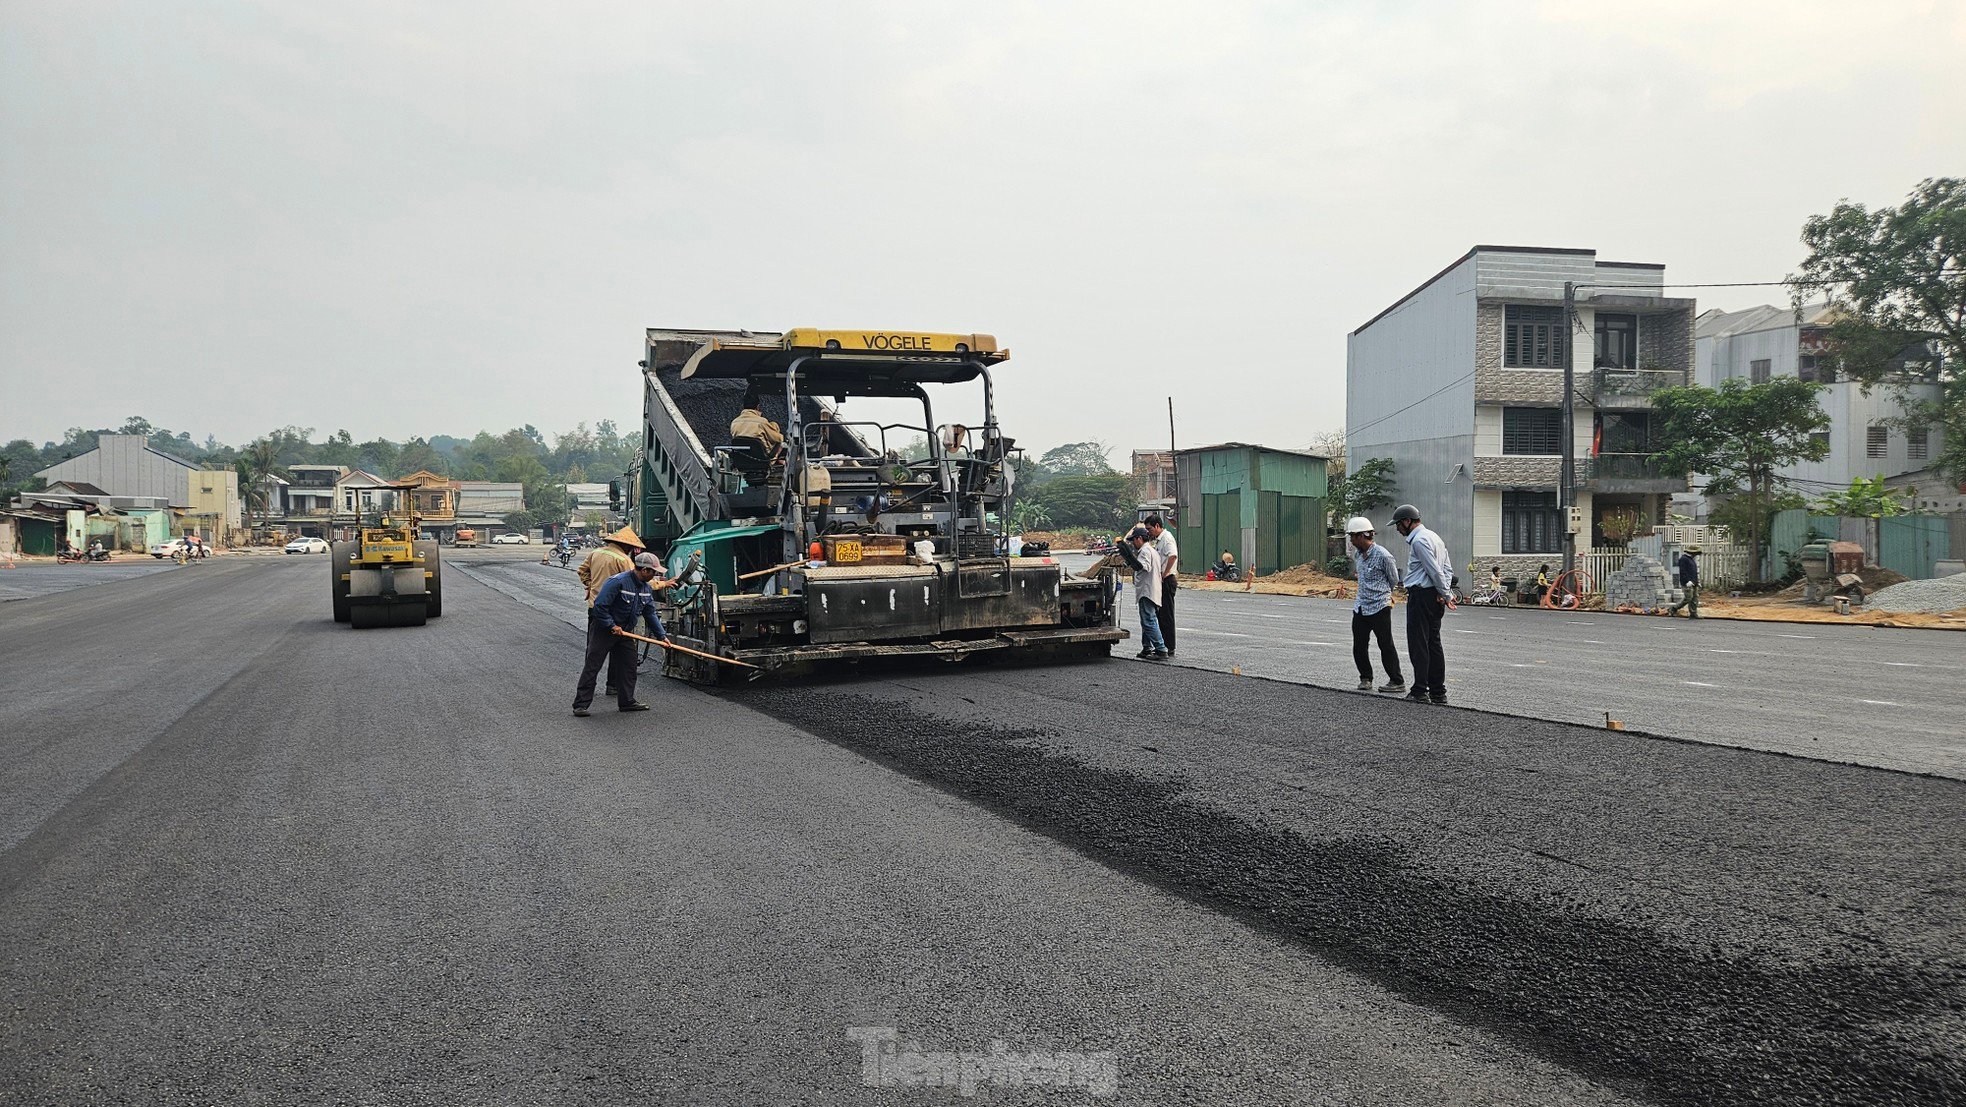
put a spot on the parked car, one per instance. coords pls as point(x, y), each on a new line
point(514, 539)
point(306, 546)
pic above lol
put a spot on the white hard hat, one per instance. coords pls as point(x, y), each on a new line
point(1359, 524)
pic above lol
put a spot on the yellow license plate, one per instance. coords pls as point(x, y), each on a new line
point(846, 551)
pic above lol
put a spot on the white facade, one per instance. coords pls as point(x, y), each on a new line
point(1731, 344)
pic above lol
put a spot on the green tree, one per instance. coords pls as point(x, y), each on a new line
point(257, 466)
point(1102, 500)
point(1077, 459)
point(521, 521)
point(1899, 276)
point(1866, 498)
point(1358, 493)
point(1737, 436)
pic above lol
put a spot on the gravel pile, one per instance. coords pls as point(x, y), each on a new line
point(1929, 596)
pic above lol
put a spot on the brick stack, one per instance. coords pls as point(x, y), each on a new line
point(1642, 582)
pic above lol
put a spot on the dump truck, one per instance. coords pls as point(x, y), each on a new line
point(387, 576)
point(835, 546)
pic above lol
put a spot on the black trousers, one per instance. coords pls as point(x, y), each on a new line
point(619, 655)
point(1364, 629)
point(1424, 612)
point(1165, 610)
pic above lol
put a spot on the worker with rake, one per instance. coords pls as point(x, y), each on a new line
point(623, 599)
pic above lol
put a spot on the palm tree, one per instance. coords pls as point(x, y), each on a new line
point(260, 462)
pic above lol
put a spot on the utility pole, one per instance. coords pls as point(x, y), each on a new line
point(1172, 481)
point(1567, 494)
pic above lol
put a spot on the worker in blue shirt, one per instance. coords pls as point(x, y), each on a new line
point(1429, 584)
point(623, 598)
point(1372, 611)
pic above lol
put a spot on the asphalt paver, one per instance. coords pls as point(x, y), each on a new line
point(261, 857)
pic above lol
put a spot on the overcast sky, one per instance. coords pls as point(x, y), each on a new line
point(427, 218)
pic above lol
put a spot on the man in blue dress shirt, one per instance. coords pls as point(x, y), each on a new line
point(1429, 584)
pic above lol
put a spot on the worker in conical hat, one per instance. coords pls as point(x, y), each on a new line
point(628, 540)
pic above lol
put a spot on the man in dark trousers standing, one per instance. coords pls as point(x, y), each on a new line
point(1429, 584)
point(1689, 583)
point(623, 598)
point(1170, 562)
point(1372, 611)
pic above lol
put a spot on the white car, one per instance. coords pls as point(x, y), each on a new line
point(306, 546)
point(167, 549)
point(514, 539)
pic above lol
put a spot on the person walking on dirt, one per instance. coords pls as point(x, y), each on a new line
point(1170, 580)
point(623, 600)
point(1429, 585)
point(1372, 612)
point(1689, 583)
point(1135, 550)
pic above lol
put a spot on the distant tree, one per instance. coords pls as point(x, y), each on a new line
point(1358, 493)
point(257, 466)
point(1738, 435)
point(1103, 500)
point(1866, 498)
point(521, 521)
point(1899, 276)
point(1077, 459)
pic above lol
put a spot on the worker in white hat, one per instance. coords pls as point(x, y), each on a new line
point(1372, 611)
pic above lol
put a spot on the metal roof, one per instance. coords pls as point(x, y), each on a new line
point(1249, 446)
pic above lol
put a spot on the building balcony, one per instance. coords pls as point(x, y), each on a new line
point(1627, 473)
point(1631, 389)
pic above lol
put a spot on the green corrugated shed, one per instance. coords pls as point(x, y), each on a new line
point(1264, 505)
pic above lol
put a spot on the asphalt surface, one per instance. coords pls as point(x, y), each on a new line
point(39, 578)
point(1889, 697)
point(1704, 923)
point(253, 856)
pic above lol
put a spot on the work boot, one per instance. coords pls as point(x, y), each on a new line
point(1146, 654)
point(1365, 684)
point(638, 705)
point(581, 713)
point(1437, 697)
point(1398, 686)
point(1416, 696)
point(1157, 655)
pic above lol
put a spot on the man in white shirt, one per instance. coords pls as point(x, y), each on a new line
point(1170, 580)
point(1135, 550)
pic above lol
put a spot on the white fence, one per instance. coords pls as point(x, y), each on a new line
point(1720, 566)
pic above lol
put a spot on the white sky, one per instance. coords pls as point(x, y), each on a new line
point(427, 218)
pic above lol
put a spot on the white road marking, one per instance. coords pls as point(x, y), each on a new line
point(1590, 642)
point(1217, 633)
point(1796, 636)
point(1882, 703)
point(1906, 664)
point(1723, 651)
point(1699, 684)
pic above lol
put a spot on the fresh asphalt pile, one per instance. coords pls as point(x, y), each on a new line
point(1701, 924)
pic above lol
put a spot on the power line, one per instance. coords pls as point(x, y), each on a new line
point(1349, 431)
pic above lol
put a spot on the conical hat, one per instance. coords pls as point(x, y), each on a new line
point(627, 537)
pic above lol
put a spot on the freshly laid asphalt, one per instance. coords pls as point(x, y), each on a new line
point(251, 855)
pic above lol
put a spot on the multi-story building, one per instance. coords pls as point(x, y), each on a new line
point(1865, 436)
point(1460, 383)
point(310, 498)
point(127, 465)
point(1154, 469)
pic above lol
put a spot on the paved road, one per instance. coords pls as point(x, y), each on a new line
point(252, 856)
point(1865, 695)
point(40, 578)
